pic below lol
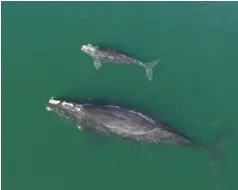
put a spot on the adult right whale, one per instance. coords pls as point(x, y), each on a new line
point(114, 56)
point(128, 124)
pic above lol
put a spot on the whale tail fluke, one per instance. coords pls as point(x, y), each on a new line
point(214, 151)
point(149, 68)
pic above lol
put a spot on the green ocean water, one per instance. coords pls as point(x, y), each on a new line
point(195, 89)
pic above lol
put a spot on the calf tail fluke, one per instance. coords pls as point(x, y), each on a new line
point(149, 68)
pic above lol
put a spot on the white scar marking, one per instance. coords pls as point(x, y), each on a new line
point(140, 114)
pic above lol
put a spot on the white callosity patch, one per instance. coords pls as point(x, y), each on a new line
point(48, 108)
point(78, 108)
point(83, 47)
point(68, 104)
point(52, 101)
point(89, 49)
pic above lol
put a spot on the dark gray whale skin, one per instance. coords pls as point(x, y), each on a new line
point(114, 120)
point(126, 123)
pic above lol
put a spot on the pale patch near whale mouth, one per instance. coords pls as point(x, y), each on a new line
point(48, 108)
point(83, 47)
point(52, 101)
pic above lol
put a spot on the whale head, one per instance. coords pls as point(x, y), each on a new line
point(66, 109)
point(89, 49)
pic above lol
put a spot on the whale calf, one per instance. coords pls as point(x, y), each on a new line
point(114, 56)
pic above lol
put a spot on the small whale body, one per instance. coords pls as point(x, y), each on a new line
point(129, 124)
point(114, 56)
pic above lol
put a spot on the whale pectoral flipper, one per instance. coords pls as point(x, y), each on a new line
point(97, 63)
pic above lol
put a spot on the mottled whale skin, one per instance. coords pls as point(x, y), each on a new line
point(114, 120)
point(114, 56)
